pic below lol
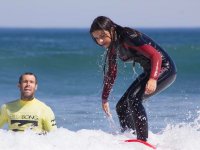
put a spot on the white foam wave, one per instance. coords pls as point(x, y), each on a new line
point(65, 139)
point(184, 136)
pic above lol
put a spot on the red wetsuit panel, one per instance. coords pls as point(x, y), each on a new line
point(151, 53)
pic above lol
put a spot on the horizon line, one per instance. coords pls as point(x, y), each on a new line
point(2, 27)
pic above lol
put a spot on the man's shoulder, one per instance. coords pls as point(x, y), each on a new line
point(14, 102)
point(41, 103)
point(9, 104)
point(44, 107)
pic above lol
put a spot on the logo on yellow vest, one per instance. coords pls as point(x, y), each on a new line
point(26, 117)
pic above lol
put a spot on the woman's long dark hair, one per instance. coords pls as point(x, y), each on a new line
point(105, 23)
point(102, 23)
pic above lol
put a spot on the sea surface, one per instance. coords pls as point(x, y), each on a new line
point(69, 68)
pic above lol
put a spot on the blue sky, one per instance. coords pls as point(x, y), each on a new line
point(80, 13)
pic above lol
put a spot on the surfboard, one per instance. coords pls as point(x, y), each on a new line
point(114, 128)
point(142, 142)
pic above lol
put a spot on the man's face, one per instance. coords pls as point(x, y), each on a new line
point(27, 87)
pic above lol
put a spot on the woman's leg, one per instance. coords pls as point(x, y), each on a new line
point(134, 101)
point(124, 115)
point(130, 110)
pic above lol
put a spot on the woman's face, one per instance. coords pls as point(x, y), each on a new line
point(102, 37)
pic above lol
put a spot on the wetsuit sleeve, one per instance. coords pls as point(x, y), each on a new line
point(150, 52)
point(155, 58)
point(49, 122)
point(3, 116)
point(109, 77)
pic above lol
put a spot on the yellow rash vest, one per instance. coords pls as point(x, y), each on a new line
point(21, 115)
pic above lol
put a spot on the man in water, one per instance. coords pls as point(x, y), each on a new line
point(27, 112)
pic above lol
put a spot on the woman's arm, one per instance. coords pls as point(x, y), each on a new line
point(155, 57)
point(151, 53)
point(110, 76)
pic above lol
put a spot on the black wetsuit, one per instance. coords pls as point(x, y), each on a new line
point(140, 49)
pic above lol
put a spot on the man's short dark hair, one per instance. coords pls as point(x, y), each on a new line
point(27, 73)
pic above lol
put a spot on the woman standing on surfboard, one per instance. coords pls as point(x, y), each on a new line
point(128, 44)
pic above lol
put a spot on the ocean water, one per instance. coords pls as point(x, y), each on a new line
point(69, 68)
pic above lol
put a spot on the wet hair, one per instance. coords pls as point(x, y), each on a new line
point(27, 73)
point(102, 23)
point(105, 23)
